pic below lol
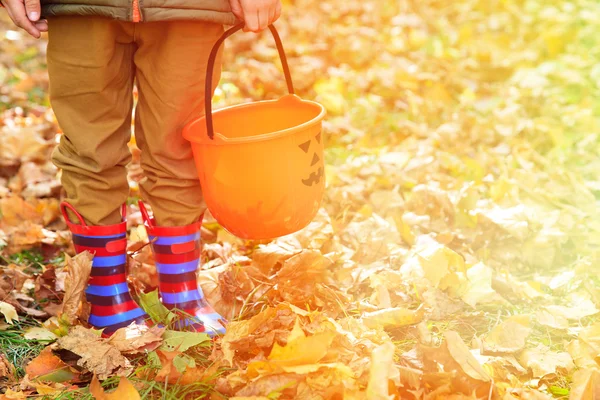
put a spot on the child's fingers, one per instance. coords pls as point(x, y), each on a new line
point(271, 15)
point(42, 25)
point(263, 19)
point(251, 20)
point(17, 14)
point(33, 9)
point(277, 11)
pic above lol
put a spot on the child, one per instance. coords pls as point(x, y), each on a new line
point(96, 49)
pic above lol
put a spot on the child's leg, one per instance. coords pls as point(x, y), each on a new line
point(91, 81)
point(90, 62)
point(171, 67)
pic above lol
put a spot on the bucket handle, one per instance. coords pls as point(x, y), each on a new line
point(211, 65)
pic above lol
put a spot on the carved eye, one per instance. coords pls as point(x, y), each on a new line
point(304, 146)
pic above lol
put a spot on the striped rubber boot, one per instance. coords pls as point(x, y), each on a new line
point(107, 291)
point(177, 254)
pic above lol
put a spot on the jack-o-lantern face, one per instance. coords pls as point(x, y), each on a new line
point(314, 177)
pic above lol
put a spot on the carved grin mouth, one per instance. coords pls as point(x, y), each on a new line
point(315, 177)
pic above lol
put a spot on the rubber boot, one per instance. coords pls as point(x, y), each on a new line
point(107, 290)
point(177, 254)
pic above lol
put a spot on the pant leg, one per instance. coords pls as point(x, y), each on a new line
point(170, 70)
point(90, 64)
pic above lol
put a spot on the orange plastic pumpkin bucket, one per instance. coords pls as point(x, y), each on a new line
point(260, 164)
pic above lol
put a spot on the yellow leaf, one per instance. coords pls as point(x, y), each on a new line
point(393, 317)
point(543, 361)
point(507, 337)
point(381, 371)
point(461, 354)
point(301, 349)
point(586, 385)
point(125, 390)
point(39, 333)
point(12, 395)
point(9, 312)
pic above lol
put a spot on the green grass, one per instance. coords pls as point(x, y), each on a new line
point(18, 350)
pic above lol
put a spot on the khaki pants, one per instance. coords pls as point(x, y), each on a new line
point(92, 63)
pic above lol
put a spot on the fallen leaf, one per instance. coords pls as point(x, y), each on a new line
point(7, 370)
point(47, 367)
point(78, 272)
point(97, 356)
point(125, 391)
point(546, 318)
point(583, 354)
point(182, 341)
point(301, 349)
point(461, 354)
point(240, 329)
point(585, 308)
point(381, 372)
point(177, 367)
point(155, 309)
point(586, 385)
point(542, 361)
point(9, 312)
point(508, 337)
point(39, 333)
point(12, 395)
point(393, 317)
point(268, 385)
point(135, 338)
point(479, 288)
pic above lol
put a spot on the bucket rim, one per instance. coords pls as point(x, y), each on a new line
point(220, 139)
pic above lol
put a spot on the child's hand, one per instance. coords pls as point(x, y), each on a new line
point(257, 14)
point(26, 15)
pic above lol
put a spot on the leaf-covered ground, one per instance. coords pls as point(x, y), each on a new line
point(456, 256)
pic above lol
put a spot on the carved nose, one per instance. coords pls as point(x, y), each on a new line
point(315, 160)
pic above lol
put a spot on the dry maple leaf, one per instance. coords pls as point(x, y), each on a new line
point(96, 355)
point(137, 338)
point(78, 272)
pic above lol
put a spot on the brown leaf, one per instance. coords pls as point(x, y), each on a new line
point(78, 272)
point(268, 384)
point(125, 391)
point(137, 338)
point(7, 370)
point(96, 354)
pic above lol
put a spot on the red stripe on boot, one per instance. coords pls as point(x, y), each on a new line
point(177, 287)
point(97, 251)
point(176, 258)
point(107, 280)
point(103, 311)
